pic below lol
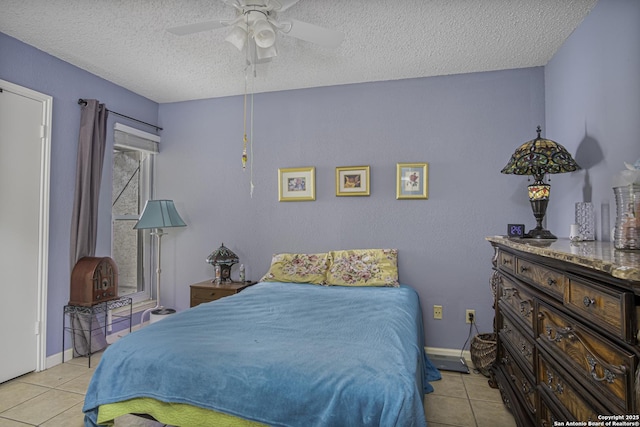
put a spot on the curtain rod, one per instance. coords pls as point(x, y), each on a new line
point(83, 102)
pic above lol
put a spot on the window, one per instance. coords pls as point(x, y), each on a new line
point(133, 162)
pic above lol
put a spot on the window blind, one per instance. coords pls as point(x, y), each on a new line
point(128, 137)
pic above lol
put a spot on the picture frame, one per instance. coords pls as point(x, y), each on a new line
point(412, 181)
point(352, 181)
point(296, 184)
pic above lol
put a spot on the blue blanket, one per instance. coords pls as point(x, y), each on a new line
point(281, 354)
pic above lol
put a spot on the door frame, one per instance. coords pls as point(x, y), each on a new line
point(46, 102)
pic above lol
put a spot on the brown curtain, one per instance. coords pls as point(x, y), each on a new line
point(84, 223)
point(91, 148)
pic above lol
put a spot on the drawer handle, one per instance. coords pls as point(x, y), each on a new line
point(525, 351)
point(588, 301)
point(506, 361)
point(551, 282)
point(506, 261)
point(524, 269)
point(523, 308)
point(559, 388)
point(212, 294)
point(560, 333)
point(607, 376)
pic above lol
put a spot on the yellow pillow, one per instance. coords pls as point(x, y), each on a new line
point(298, 268)
point(364, 267)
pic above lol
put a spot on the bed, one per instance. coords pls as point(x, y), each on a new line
point(277, 354)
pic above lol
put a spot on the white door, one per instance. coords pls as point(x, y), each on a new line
point(24, 170)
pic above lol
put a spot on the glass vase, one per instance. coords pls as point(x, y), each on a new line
point(585, 219)
point(626, 234)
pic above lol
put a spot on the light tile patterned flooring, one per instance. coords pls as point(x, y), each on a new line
point(465, 400)
point(54, 398)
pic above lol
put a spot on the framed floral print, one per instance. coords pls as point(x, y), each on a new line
point(296, 184)
point(412, 181)
point(352, 181)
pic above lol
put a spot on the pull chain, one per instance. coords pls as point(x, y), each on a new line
point(244, 123)
point(249, 68)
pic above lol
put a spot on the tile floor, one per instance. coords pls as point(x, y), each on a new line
point(54, 398)
point(464, 400)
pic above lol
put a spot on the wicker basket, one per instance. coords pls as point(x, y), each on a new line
point(483, 352)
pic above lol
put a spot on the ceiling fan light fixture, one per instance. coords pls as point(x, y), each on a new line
point(237, 37)
point(263, 33)
point(266, 53)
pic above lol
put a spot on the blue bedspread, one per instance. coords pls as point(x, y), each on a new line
point(282, 354)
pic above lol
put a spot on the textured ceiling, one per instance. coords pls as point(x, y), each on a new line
point(126, 42)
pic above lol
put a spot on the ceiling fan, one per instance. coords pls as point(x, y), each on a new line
point(256, 26)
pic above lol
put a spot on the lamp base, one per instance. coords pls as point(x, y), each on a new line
point(160, 314)
point(539, 233)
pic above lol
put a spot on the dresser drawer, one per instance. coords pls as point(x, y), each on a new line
point(524, 384)
point(548, 417)
point(512, 396)
point(200, 295)
point(550, 281)
point(521, 346)
point(515, 296)
point(565, 394)
point(506, 261)
point(601, 365)
point(606, 307)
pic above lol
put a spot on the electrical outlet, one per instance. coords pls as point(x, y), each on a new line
point(437, 312)
point(470, 316)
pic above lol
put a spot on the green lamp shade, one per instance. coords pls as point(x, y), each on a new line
point(159, 214)
point(539, 157)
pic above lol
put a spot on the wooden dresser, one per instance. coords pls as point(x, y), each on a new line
point(567, 325)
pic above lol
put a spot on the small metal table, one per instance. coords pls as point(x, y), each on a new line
point(98, 318)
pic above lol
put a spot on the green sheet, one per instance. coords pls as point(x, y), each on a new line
point(171, 414)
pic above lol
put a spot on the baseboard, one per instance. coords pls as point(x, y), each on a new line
point(56, 359)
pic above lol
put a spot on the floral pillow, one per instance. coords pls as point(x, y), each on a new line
point(364, 267)
point(298, 268)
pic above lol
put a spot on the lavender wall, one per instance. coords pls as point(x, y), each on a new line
point(465, 126)
point(26, 66)
point(593, 107)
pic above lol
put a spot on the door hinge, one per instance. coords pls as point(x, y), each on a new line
point(36, 329)
point(43, 131)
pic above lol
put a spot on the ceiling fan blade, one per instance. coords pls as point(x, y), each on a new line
point(313, 33)
point(183, 30)
point(280, 5)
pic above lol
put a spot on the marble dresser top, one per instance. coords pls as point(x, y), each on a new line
point(601, 256)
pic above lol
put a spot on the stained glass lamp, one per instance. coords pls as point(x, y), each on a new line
point(540, 157)
point(225, 259)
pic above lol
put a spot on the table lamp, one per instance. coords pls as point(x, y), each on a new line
point(540, 157)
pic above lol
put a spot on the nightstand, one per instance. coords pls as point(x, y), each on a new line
point(208, 291)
